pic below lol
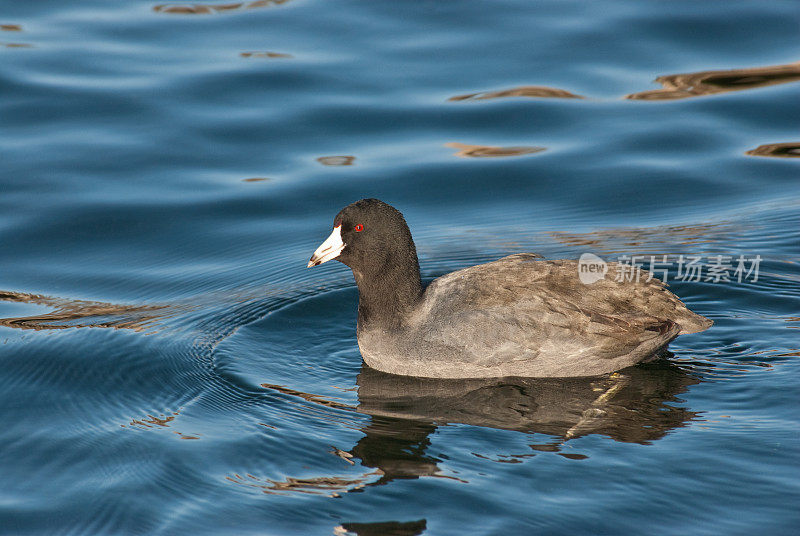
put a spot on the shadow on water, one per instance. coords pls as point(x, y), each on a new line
point(682, 86)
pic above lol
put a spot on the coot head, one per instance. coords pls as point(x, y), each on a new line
point(368, 236)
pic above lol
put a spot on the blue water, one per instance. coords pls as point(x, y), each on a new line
point(169, 365)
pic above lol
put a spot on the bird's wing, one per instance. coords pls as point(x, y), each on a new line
point(519, 307)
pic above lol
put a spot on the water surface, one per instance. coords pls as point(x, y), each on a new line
point(170, 365)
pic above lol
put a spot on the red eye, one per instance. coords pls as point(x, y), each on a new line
point(359, 227)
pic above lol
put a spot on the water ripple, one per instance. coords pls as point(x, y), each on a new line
point(227, 388)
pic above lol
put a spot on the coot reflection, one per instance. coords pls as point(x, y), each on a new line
point(630, 406)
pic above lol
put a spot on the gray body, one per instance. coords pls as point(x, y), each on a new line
point(520, 316)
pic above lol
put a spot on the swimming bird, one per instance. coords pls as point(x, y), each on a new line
point(516, 316)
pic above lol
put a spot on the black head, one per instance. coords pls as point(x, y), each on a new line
point(367, 235)
point(372, 238)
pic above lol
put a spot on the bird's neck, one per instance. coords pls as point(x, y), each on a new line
point(388, 294)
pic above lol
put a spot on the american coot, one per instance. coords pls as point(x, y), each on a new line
point(517, 316)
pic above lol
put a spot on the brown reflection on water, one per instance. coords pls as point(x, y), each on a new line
point(650, 240)
point(265, 55)
point(10, 28)
point(316, 399)
point(383, 528)
point(336, 160)
point(79, 314)
point(524, 91)
point(681, 86)
point(158, 422)
point(777, 150)
point(206, 9)
point(486, 151)
point(256, 179)
point(320, 406)
point(151, 421)
point(332, 486)
point(16, 45)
